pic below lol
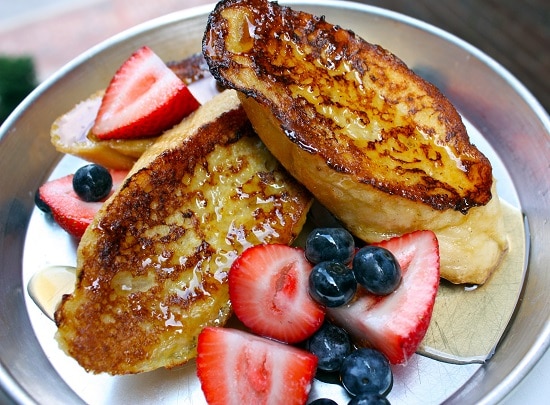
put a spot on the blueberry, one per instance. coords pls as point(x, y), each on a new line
point(366, 371)
point(369, 399)
point(323, 401)
point(324, 244)
point(92, 182)
point(377, 270)
point(41, 204)
point(332, 284)
point(331, 344)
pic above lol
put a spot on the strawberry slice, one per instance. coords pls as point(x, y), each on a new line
point(67, 209)
point(144, 98)
point(396, 324)
point(268, 289)
point(236, 367)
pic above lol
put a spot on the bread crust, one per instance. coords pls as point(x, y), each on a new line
point(352, 104)
point(152, 267)
point(376, 144)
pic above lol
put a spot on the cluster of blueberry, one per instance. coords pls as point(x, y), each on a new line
point(339, 270)
point(364, 373)
point(333, 282)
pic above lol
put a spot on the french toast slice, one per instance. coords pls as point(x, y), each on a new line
point(376, 144)
point(152, 267)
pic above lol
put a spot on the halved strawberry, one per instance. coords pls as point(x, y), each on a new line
point(236, 367)
point(396, 324)
point(144, 98)
point(268, 289)
point(67, 209)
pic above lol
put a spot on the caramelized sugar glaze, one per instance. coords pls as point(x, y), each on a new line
point(376, 144)
point(152, 267)
point(352, 102)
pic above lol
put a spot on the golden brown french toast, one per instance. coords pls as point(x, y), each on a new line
point(376, 144)
point(152, 267)
point(70, 131)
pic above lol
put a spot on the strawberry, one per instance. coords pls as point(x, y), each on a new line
point(67, 209)
point(144, 98)
point(268, 289)
point(396, 324)
point(236, 367)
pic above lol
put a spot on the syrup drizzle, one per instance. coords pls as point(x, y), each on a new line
point(47, 287)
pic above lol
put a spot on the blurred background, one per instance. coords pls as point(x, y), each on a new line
point(37, 37)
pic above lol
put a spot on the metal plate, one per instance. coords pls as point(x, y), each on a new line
point(514, 127)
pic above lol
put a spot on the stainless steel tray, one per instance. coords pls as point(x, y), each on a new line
point(512, 125)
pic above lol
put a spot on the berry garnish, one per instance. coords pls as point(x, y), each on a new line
point(376, 269)
point(144, 98)
point(331, 344)
point(332, 284)
point(69, 211)
point(365, 371)
point(92, 182)
point(268, 289)
point(324, 244)
point(369, 399)
point(40, 204)
point(236, 367)
point(323, 401)
point(396, 323)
